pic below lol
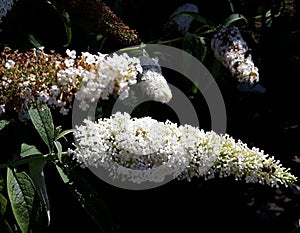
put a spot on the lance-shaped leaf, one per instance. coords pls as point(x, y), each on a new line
point(36, 173)
point(58, 7)
point(63, 133)
point(29, 150)
point(234, 18)
point(42, 120)
point(23, 199)
point(58, 147)
point(3, 123)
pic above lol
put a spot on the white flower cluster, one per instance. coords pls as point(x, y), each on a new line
point(88, 77)
point(5, 6)
point(183, 22)
point(133, 149)
point(155, 86)
point(49, 96)
point(108, 74)
point(147, 150)
point(230, 48)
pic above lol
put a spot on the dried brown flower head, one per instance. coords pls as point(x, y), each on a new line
point(107, 22)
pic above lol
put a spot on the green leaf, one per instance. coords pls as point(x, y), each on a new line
point(269, 18)
point(89, 199)
point(67, 23)
point(42, 120)
point(22, 197)
point(195, 89)
point(59, 149)
point(231, 6)
point(29, 150)
point(202, 48)
point(1, 183)
point(34, 41)
point(63, 176)
point(36, 173)
point(64, 133)
point(58, 7)
point(3, 123)
point(3, 204)
point(231, 19)
point(195, 45)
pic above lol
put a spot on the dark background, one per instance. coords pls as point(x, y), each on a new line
point(270, 121)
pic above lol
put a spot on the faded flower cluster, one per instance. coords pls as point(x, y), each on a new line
point(148, 150)
point(231, 49)
point(29, 79)
point(33, 78)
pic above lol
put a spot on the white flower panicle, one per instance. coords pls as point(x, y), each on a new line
point(183, 22)
point(230, 48)
point(147, 150)
point(155, 86)
point(133, 149)
point(109, 74)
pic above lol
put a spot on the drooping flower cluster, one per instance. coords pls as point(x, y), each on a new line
point(183, 22)
point(109, 74)
point(154, 85)
point(147, 150)
point(33, 78)
point(231, 49)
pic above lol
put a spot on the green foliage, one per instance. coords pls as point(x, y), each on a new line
point(3, 123)
point(23, 199)
point(36, 173)
point(234, 18)
point(42, 120)
point(195, 45)
point(29, 150)
point(27, 191)
point(58, 7)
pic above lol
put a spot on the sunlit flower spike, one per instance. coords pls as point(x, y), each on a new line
point(148, 150)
